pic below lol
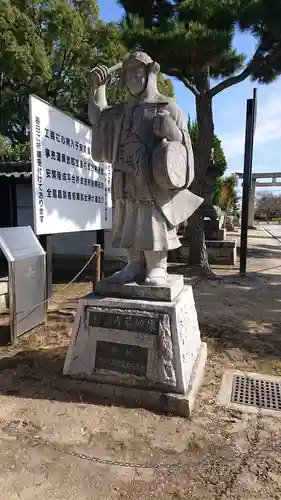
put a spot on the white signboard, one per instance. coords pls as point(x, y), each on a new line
point(71, 192)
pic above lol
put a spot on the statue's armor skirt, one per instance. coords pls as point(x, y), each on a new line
point(140, 225)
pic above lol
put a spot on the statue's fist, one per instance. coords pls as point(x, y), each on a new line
point(165, 127)
point(99, 76)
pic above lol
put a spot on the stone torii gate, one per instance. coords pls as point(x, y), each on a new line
point(274, 176)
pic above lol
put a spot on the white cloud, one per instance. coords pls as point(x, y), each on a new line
point(268, 128)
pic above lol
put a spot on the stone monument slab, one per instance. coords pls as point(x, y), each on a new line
point(166, 292)
point(138, 344)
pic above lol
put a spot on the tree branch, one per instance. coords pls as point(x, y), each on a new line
point(176, 73)
point(190, 86)
point(232, 80)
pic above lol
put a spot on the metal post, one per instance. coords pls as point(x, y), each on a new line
point(96, 265)
point(247, 178)
point(100, 241)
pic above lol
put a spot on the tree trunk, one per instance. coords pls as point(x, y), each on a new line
point(197, 247)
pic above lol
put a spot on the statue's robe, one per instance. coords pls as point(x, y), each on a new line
point(146, 215)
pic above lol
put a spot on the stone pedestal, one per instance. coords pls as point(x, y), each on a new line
point(148, 352)
point(222, 252)
point(165, 293)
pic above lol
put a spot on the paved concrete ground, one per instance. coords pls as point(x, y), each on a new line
point(273, 229)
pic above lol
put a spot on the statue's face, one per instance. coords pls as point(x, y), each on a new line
point(136, 77)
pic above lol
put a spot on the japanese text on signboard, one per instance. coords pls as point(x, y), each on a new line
point(71, 191)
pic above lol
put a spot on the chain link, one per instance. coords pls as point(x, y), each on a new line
point(82, 456)
point(135, 465)
point(57, 294)
point(108, 461)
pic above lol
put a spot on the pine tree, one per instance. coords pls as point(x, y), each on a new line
point(48, 48)
point(218, 156)
point(193, 42)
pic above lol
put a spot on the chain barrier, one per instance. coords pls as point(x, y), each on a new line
point(58, 294)
point(115, 257)
point(30, 311)
point(108, 461)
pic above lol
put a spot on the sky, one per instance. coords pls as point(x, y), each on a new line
point(229, 110)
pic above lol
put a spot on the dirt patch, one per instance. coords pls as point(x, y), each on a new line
point(56, 444)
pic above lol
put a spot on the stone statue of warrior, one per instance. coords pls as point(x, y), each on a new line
point(147, 142)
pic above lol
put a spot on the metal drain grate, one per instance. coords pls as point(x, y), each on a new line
point(256, 392)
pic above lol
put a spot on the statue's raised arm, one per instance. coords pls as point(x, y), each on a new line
point(102, 117)
point(97, 93)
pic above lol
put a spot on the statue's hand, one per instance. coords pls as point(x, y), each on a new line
point(99, 77)
point(165, 127)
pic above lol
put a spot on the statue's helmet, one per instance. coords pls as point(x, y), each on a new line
point(142, 57)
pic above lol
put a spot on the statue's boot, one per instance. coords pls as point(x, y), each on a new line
point(133, 271)
point(156, 268)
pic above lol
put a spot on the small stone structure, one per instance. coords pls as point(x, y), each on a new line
point(220, 250)
point(213, 229)
point(140, 343)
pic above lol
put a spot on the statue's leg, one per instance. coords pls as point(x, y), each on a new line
point(156, 268)
point(133, 271)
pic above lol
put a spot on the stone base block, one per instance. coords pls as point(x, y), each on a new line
point(215, 234)
point(219, 252)
point(222, 252)
point(153, 347)
point(166, 293)
point(165, 402)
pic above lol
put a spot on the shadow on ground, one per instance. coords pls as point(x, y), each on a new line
point(236, 314)
point(37, 374)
